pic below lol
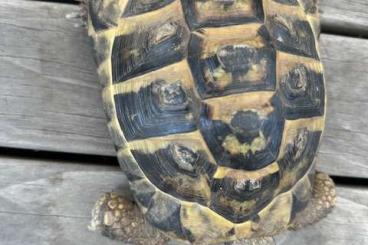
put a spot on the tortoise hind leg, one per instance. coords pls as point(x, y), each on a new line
point(120, 218)
point(321, 204)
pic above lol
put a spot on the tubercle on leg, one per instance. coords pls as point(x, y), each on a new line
point(120, 218)
point(322, 203)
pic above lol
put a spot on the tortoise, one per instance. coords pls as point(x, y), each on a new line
point(216, 109)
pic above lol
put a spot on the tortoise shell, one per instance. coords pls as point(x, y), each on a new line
point(216, 109)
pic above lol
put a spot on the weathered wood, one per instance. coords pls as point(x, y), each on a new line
point(345, 16)
point(50, 98)
point(344, 147)
point(49, 95)
point(49, 203)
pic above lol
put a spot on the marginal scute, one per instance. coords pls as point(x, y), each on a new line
point(302, 194)
point(292, 35)
point(143, 192)
point(204, 225)
point(298, 157)
point(105, 14)
point(116, 134)
point(275, 217)
point(102, 47)
point(129, 165)
point(164, 213)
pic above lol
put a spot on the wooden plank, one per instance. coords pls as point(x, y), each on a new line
point(49, 203)
point(343, 150)
point(345, 16)
point(50, 98)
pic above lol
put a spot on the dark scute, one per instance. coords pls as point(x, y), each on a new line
point(231, 232)
point(215, 133)
point(299, 155)
point(247, 190)
point(301, 198)
point(292, 36)
point(163, 164)
point(235, 62)
point(148, 49)
point(193, 15)
point(298, 206)
point(288, 2)
point(144, 198)
point(226, 190)
point(97, 22)
point(248, 131)
point(146, 114)
point(136, 7)
point(165, 215)
point(143, 193)
point(302, 93)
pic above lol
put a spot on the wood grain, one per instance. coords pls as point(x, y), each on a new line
point(50, 203)
point(345, 16)
point(345, 143)
point(50, 97)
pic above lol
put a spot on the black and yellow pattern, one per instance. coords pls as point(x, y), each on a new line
point(216, 108)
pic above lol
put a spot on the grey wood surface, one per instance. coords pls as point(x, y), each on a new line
point(50, 98)
point(49, 203)
point(345, 16)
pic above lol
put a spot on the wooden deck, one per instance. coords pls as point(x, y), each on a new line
point(56, 157)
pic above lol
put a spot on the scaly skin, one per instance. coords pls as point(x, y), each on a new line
point(119, 218)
